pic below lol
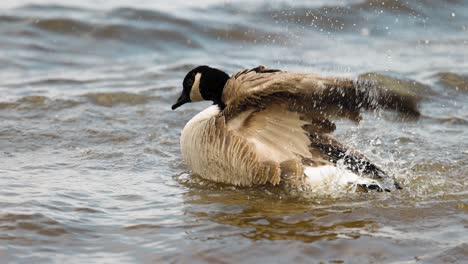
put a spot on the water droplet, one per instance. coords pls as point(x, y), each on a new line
point(365, 32)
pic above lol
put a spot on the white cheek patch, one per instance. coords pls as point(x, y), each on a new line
point(195, 94)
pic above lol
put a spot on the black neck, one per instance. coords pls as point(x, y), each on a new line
point(220, 104)
point(212, 85)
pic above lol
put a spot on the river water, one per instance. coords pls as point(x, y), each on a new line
point(90, 165)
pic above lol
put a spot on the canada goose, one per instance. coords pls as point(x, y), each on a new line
point(273, 127)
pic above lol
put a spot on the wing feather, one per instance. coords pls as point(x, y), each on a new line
point(328, 96)
point(285, 117)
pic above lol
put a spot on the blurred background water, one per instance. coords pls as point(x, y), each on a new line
point(90, 167)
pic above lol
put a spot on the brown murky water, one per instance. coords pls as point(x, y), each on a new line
point(90, 167)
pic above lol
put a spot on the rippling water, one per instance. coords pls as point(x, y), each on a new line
point(90, 167)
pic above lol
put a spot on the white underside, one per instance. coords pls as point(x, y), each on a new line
point(330, 177)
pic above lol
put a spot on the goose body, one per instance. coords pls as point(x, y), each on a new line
point(273, 127)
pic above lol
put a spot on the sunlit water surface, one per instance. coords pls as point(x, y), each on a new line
point(90, 166)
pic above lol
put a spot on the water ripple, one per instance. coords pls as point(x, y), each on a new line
point(90, 163)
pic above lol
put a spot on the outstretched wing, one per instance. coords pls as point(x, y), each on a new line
point(326, 97)
point(287, 116)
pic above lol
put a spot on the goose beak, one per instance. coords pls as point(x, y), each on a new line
point(182, 100)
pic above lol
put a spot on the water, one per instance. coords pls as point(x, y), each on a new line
point(90, 165)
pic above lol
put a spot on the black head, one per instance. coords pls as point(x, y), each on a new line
point(203, 83)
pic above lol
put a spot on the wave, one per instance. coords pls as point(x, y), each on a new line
point(453, 81)
point(151, 29)
point(341, 18)
point(38, 102)
point(37, 223)
point(375, 15)
point(114, 98)
point(107, 99)
point(261, 23)
point(400, 85)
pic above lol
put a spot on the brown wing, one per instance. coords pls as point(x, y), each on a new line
point(326, 97)
point(287, 116)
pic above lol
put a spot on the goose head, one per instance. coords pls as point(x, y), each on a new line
point(203, 83)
